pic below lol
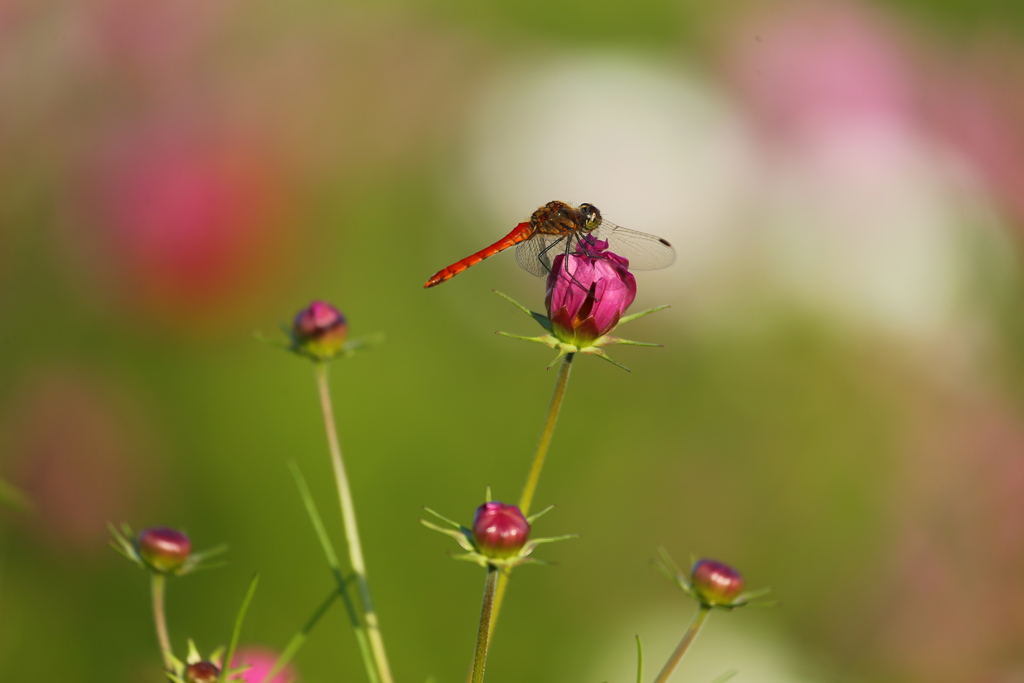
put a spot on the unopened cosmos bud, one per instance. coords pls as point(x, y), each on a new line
point(716, 583)
point(499, 530)
point(201, 672)
point(163, 549)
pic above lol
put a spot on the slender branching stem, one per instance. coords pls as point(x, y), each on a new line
point(691, 633)
point(348, 515)
point(483, 634)
point(158, 582)
point(538, 464)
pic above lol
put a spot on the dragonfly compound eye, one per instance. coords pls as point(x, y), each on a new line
point(591, 215)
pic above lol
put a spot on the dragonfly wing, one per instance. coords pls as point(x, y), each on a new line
point(645, 252)
point(536, 254)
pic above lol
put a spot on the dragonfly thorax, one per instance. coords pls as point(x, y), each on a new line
point(559, 218)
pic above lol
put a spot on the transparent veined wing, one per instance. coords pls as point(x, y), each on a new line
point(645, 252)
point(536, 254)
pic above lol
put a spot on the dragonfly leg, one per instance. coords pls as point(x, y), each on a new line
point(542, 256)
point(565, 261)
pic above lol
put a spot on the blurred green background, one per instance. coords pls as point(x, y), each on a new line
point(836, 409)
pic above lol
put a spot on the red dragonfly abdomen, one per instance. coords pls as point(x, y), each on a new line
point(520, 233)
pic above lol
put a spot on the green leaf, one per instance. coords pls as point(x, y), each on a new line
point(332, 561)
point(237, 632)
point(314, 517)
point(299, 639)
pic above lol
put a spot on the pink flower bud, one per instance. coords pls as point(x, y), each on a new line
point(320, 329)
point(499, 530)
point(163, 549)
point(201, 672)
point(587, 293)
point(716, 583)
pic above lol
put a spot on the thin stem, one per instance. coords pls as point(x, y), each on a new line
point(483, 635)
point(545, 436)
point(348, 515)
point(684, 644)
point(538, 464)
point(332, 561)
point(158, 582)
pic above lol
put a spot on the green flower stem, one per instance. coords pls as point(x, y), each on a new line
point(342, 582)
point(348, 514)
point(684, 644)
point(158, 582)
point(483, 635)
point(545, 436)
point(538, 463)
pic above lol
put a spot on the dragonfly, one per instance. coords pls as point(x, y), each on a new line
point(561, 228)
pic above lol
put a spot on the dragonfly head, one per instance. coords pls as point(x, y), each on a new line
point(591, 216)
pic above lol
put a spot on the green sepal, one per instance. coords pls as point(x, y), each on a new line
point(199, 561)
point(258, 336)
point(360, 343)
point(608, 341)
point(595, 351)
point(349, 348)
point(542, 319)
point(473, 557)
point(537, 515)
point(122, 543)
point(533, 560)
point(217, 656)
point(193, 655)
point(546, 340)
point(462, 537)
point(179, 666)
point(443, 518)
point(552, 539)
point(641, 314)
